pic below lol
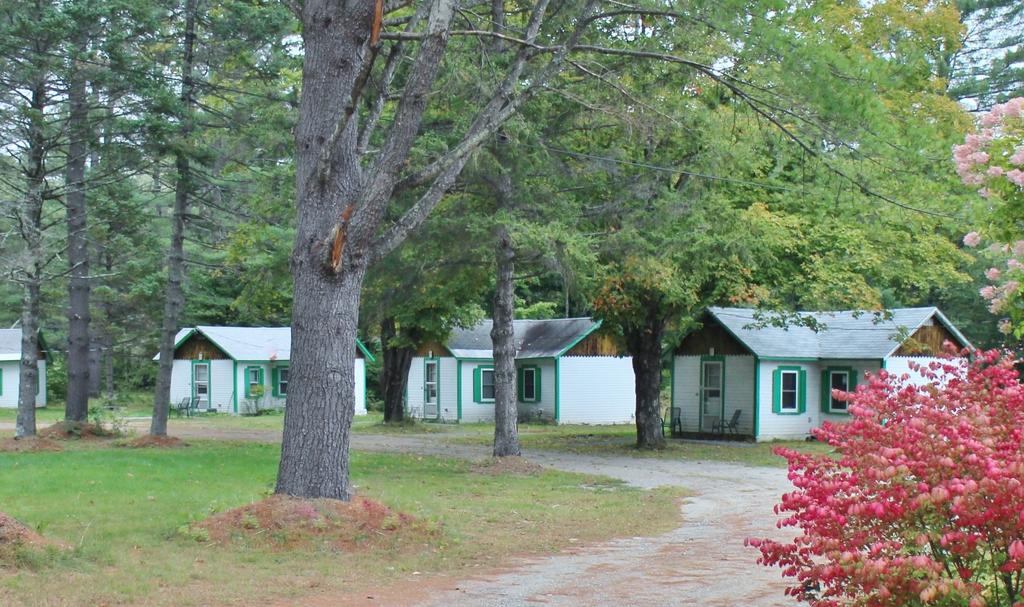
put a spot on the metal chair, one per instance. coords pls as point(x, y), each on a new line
point(732, 425)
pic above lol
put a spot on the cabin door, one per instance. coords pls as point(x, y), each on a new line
point(201, 385)
point(712, 407)
point(430, 391)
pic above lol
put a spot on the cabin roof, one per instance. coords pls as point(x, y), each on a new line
point(250, 343)
point(534, 338)
point(846, 334)
point(10, 344)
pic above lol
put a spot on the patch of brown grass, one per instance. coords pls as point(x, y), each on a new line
point(512, 465)
point(66, 430)
point(160, 442)
point(20, 546)
point(29, 444)
point(288, 523)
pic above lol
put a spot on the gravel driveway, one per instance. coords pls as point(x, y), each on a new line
point(702, 562)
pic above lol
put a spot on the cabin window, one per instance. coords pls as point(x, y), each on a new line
point(790, 380)
point(483, 384)
point(529, 384)
point(253, 382)
point(838, 380)
point(487, 384)
point(281, 381)
point(843, 379)
point(789, 390)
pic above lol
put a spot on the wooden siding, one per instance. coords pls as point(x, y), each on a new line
point(598, 344)
point(927, 340)
point(432, 348)
point(711, 335)
point(199, 347)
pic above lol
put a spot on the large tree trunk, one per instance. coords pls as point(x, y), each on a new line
point(644, 345)
point(394, 373)
point(174, 298)
point(506, 429)
point(31, 231)
point(29, 372)
point(76, 408)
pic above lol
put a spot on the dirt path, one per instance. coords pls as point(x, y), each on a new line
point(702, 562)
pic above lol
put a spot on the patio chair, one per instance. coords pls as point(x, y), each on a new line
point(676, 420)
point(181, 408)
point(732, 425)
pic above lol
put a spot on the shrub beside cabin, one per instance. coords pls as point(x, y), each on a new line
point(242, 369)
point(733, 376)
point(10, 369)
point(567, 371)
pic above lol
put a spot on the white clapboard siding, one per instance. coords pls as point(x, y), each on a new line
point(774, 426)
point(686, 391)
point(901, 365)
point(544, 407)
point(360, 371)
point(473, 411)
point(447, 383)
point(414, 388)
point(11, 382)
point(738, 392)
point(596, 390)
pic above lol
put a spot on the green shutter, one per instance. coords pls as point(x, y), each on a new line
point(777, 391)
point(536, 384)
point(275, 380)
point(851, 384)
point(476, 385)
point(826, 392)
point(802, 396)
point(521, 376)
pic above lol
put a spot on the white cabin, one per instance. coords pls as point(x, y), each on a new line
point(777, 382)
point(567, 372)
point(242, 369)
point(10, 370)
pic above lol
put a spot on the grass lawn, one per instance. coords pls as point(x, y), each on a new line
point(122, 508)
point(620, 440)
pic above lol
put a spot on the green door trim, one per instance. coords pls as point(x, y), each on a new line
point(721, 414)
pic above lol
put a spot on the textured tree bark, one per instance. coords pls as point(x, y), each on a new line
point(394, 375)
point(32, 270)
point(76, 408)
point(506, 428)
point(341, 208)
point(174, 298)
point(644, 345)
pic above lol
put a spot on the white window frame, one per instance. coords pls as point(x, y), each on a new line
point(533, 373)
point(282, 382)
point(835, 404)
point(483, 385)
point(783, 390)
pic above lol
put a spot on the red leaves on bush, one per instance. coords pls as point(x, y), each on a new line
point(924, 502)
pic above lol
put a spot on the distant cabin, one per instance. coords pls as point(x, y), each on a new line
point(10, 370)
point(777, 382)
point(240, 369)
point(567, 371)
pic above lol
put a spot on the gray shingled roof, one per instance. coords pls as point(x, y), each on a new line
point(846, 334)
point(534, 338)
point(251, 343)
point(10, 344)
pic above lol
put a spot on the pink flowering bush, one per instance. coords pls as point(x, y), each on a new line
point(993, 160)
point(923, 503)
